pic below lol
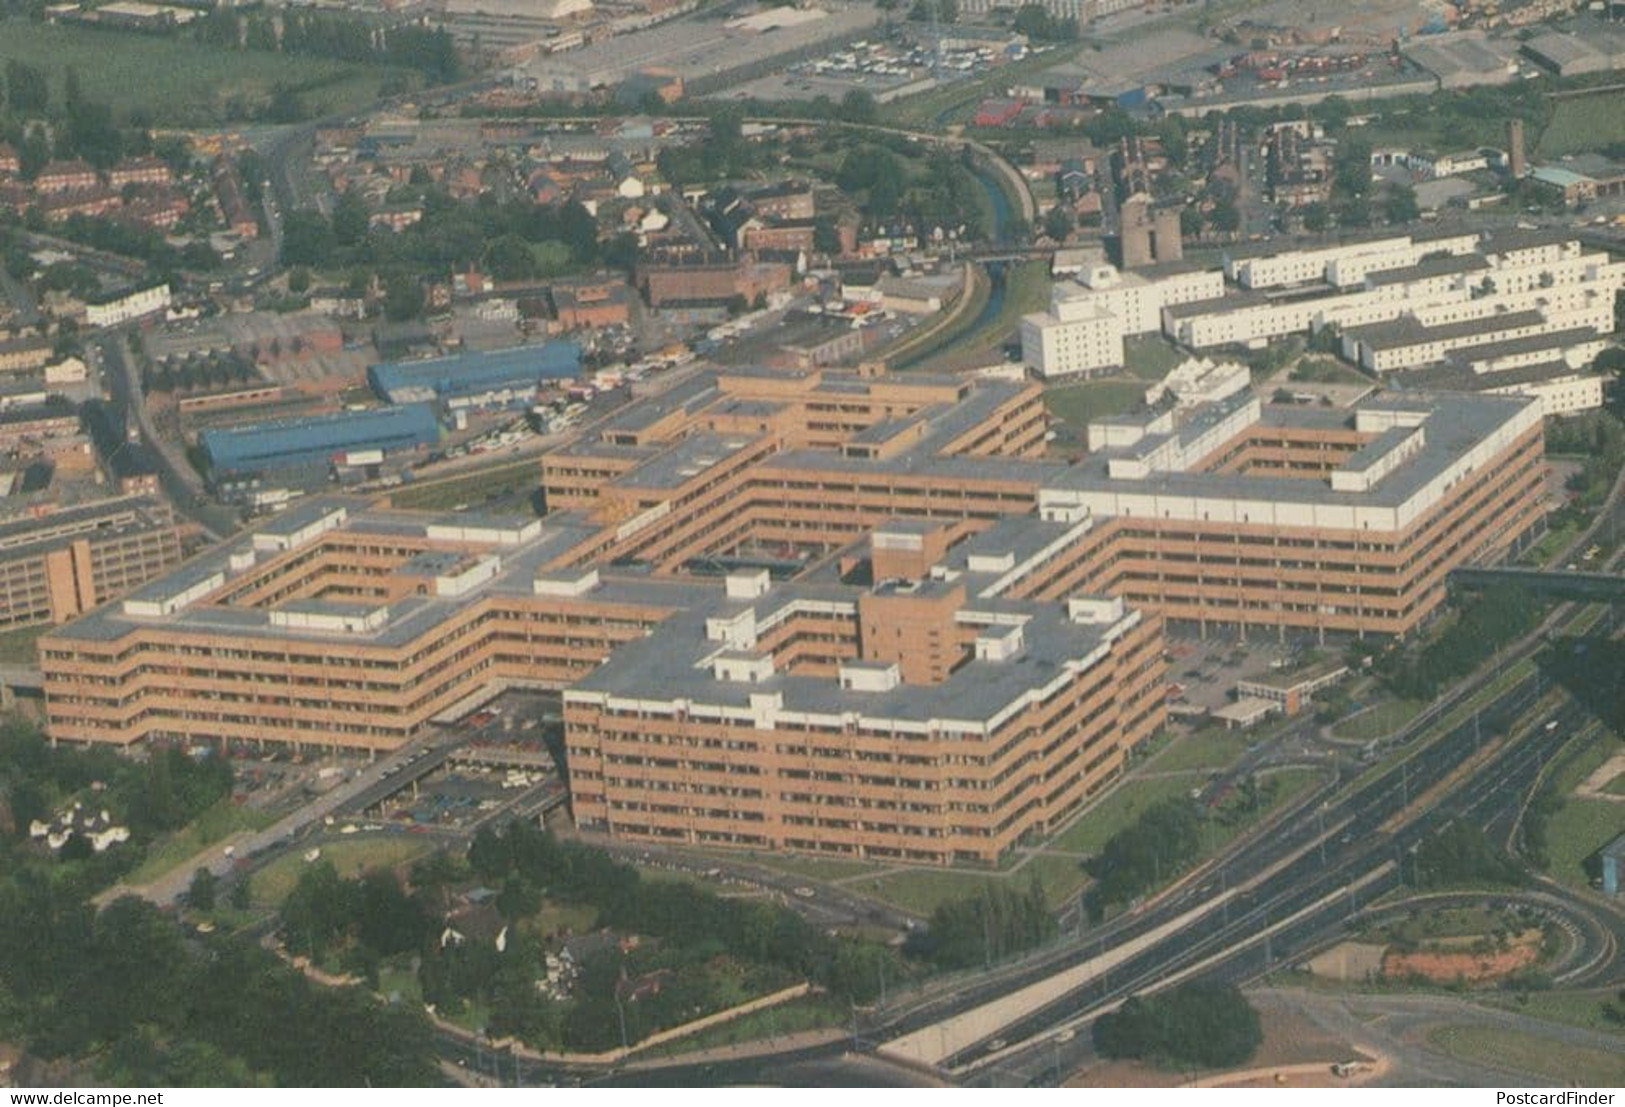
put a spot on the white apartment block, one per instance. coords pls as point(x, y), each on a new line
point(1342, 265)
point(135, 305)
point(1083, 330)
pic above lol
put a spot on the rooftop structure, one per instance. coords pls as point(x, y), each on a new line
point(296, 443)
point(501, 378)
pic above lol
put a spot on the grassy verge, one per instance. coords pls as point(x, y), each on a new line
point(946, 332)
point(1580, 827)
point(919, 891)
point(181, 83)
point(1209, 749)
point(1149, 357)
point(1571, 1008)
point(1127, 802)
point(799, 1015)
point(221, 821)
point(1378, 721)
point(1077, 404)
point(271, 885)
point(495, 483)
point(1534, 1054)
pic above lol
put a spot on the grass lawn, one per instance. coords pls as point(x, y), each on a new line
point(920, 890)
point(222, 820)
point(1572, 1008)
point(1122, 806)
point(1079, 403)
point(1150, 356)
point(399, 982)
point(1584, 123)
point(1615, 787)
point(351, 858)
point(17, 646)
point(182, 83)
point(1579, 829)
point(814, 868)
point(1537, 1055)
point(1325, 370)
point(472, 489)
point(807, 1013)
point(1554, 540)
point(1209, 749)
point(1378, 721)
point(556, 918)
point(1061, 877)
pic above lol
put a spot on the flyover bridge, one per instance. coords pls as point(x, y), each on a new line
point(1583, 587)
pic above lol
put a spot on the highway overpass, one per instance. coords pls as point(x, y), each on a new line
point(1582, 587)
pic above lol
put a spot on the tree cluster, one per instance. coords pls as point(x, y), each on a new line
point(1201, 1023)
point(1162, 842)
point(513, 241)
point(325, 34)
point(125, 990)
point(987, 927)
point(1484, 625)
point(1460, 854)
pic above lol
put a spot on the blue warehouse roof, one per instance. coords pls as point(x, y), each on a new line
point(284, 444)
point(471, 374)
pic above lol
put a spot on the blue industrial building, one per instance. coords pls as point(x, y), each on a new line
point(313, 442)
point(499, 379)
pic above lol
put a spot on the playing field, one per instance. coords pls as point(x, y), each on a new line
point(1584, 123)
point(178, 83)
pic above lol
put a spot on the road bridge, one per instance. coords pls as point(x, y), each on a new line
point(1578, 586)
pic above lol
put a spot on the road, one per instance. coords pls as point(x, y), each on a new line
point(121, 377)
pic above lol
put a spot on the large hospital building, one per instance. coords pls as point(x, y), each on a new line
point(960, 640)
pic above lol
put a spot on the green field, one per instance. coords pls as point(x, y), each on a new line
point(17, 646)
point(1210, 749)
point(1122, 806)
point(351, 857)
point(178, 83)
point(1579, 829)
point(1537, 1055)
point(1149, 357)
point(221, 821)
point(1572, 1008)
point(1584, 123)
point(1378, 721)
point(1325, 370)
point(920, 890)
point(1077, 404)
point(1615, 787)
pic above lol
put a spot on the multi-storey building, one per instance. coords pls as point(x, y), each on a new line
point(58, 566)
point(993, 676)
point(1082, 332)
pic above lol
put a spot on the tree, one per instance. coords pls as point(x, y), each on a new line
point(858, 106)
point(200, 894)
point(1224, 217)
point(1400, 206)
point(27, 89)
point(1058, 223)
point(1197, 1023)
point(1316, 217)
point(403, 297)
point(350, 218)
point(988, 926)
